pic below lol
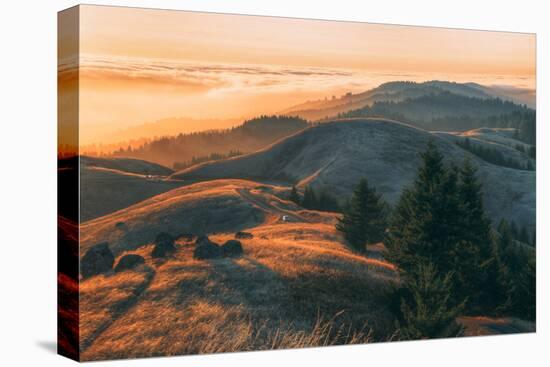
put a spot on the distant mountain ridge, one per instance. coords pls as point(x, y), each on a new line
point(164, 127)
point(433, 106)
point(252, 135)
point(395, 91)
point(446, 111)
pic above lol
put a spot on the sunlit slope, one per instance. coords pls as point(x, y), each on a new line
point(337, 154)
point(296, 285)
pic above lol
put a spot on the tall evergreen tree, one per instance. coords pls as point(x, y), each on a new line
point(364, 219)
point(477, 271)
point(424, 227)
point(517, 274)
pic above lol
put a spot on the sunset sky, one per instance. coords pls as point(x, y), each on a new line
point(140, 65)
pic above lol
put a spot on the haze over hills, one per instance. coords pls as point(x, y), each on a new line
point(494, 131)
point(252, 135)
point(400, 91)
point(453, 112)
point(150, 130)
point(336, 155)
point(434, 105)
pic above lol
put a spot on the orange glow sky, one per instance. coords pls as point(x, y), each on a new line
point(141, 65)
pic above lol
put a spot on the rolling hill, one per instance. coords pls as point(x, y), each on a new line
point(494, 141)
point(335, 155)
point(110, 184)
point(451, 112)
point(250, 136)
point(295, 286)
point(399, 91)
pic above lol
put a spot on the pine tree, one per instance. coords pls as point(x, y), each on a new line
point(429, 313)
point(424, 227)
point(364, 219)
point(294, 196)
point(517, 270)
point(476, 270)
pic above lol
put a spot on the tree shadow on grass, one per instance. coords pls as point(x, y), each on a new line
point(273, 300)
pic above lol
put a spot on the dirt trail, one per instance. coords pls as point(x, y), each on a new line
point(274, 213)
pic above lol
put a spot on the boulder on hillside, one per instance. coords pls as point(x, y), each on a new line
point(244, 235)
point(129, 262)
point(232, 248)
point(98, 260)
point(207, 250)
point(164, 245)
point(203, 239)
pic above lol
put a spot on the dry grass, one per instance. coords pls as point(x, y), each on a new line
point(206, 328)
point(102, 298)
point(295, 287)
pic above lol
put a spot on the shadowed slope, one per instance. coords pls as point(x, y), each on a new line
point(497, 140)
point(107, 185)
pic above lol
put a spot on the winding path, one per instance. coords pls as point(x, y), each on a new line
point(276, 212)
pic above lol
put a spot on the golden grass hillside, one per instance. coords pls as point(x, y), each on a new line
point(295, 286)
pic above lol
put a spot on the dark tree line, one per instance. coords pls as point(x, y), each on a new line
point(453, 112)
point(494, 156)
point(444, 110)
point(252, 135)
point(206, 158)
point(320, 200)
